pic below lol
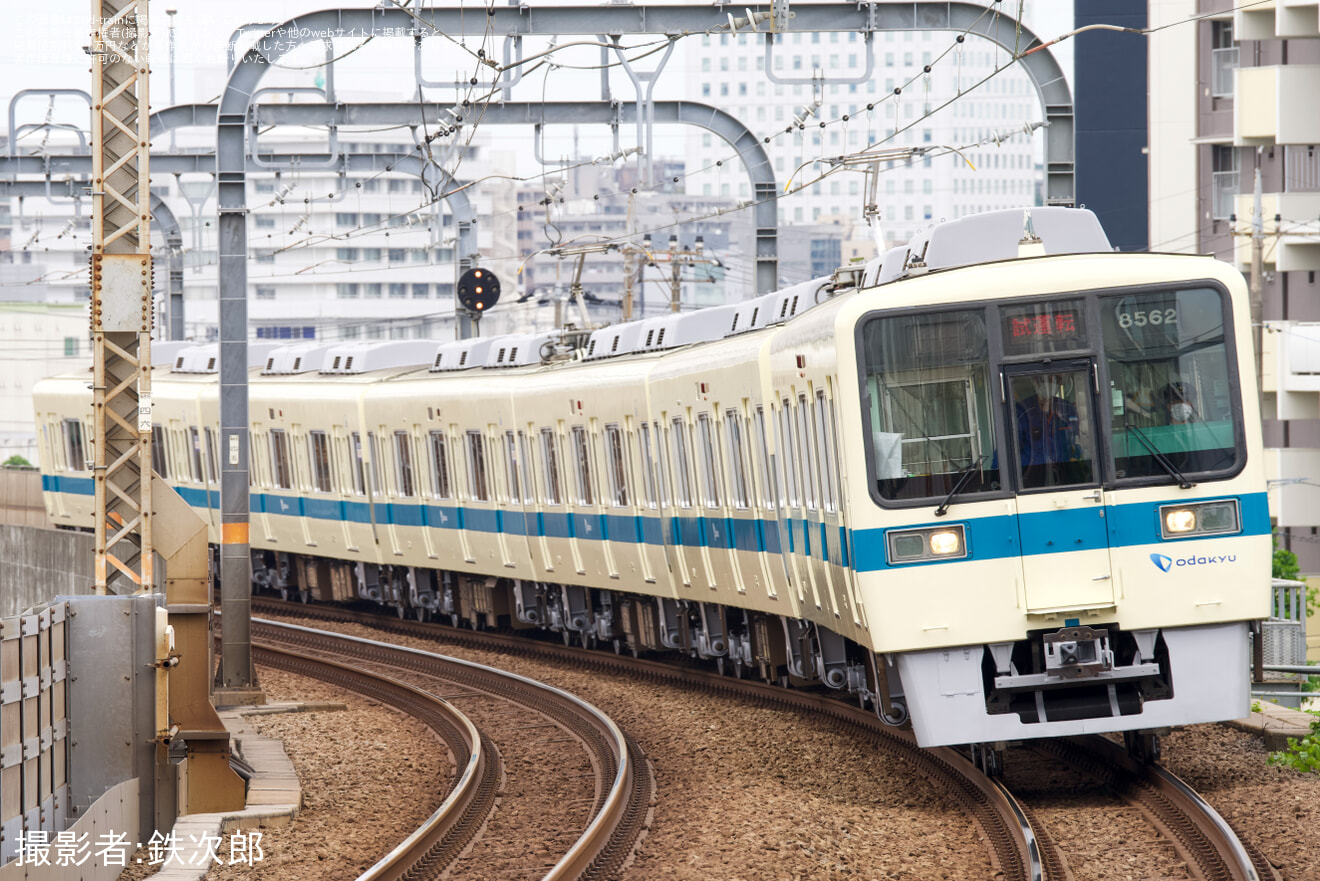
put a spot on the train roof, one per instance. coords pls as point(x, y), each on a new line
point(977, 239)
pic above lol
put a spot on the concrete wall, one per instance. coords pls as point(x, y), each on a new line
point(20, 497)
point(37, 565)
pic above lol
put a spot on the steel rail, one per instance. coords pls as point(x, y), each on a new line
point(976, 797)
point(434, 845)
point(623, 798)
point(1210, 845)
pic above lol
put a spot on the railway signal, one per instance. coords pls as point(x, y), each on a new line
point(478, 290)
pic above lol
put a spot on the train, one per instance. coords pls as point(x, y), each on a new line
point(1000, 483)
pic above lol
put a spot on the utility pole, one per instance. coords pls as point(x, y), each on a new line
point(677, 258)
point(121, 308)
point(629, 264)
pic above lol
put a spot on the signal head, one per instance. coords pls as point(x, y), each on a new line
point(478, 290)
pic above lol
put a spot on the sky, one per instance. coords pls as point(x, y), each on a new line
point(47, 53)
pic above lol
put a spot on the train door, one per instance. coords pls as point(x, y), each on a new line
point(1052, 431)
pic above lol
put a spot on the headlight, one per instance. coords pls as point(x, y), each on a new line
point(924, 545)
point(942, 544)
point(1210, 518)
point(1179, 520)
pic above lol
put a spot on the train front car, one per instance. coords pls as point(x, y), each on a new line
point(1067, 529)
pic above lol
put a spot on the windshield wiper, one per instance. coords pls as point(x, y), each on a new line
point(964, 476)
point(1183, 482)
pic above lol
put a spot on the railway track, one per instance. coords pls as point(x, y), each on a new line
point(444, 835)
point(1209, 848)
point(1020, 845)
point(624, 786)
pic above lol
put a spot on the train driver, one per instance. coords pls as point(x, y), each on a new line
point(1048, 429)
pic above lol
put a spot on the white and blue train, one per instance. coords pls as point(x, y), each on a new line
point(1004, 485)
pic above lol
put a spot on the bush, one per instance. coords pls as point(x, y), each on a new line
point(1302, 754)
point(17, 461)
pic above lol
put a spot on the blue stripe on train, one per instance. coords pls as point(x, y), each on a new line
point(864, 549)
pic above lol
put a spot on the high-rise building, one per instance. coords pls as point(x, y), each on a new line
point(922, 89)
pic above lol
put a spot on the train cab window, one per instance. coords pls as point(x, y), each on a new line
point(74, 450)
point(928, 406)
point(513, 471)
point(318, 448)
point(281, 473)
point(1170, 384)
point(736, 460)
point(159, 455)
point(478, 484)
point(582, 466)
point(682, 469)
point(1053, 427)
point(648, 465)
point(195, 454)
point(616, 465)
point(212, 458)
point(708, 460)
point(403, 464)
point(440, 465)
point(550, 467)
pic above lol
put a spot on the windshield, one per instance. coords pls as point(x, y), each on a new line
point(1169, 378)
point(1155, 365)
point(930, 410)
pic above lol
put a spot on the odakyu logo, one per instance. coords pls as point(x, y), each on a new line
point(1166, 563)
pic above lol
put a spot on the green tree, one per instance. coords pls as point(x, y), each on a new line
point(17, 461)
point(1285, 562)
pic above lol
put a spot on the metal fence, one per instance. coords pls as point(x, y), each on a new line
point(1284, 634)
point(34, 724)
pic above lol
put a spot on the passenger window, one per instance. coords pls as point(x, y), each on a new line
point(763, 461)
point(403, 464)
point(512, 471)
point(664, 466)
point(825, 454)
point(195, 438)
point(319, 448)
point(159, 455)
point(806, 453)
point(550, 465)
point(736, 461)
point(75, 451)
point(617, 465)
point(440, 465)
point(476, 462)
point(359, 466)
point(528, 472)
point(789, 453)
point(648, 465)
point(279, 459)
point(375, 463)
point(212, 457)
point(582, 466)
point(682, 469)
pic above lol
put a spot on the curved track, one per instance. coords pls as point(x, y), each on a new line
point(988, 806)
point(1208, 845)
point(625, 785)
point(430, 850)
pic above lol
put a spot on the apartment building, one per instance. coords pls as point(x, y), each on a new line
point(1233, 102)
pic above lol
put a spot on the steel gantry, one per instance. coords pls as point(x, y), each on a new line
point(121, 306)
point(511, 21)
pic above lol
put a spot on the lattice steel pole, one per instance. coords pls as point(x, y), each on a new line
point(121, 307)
